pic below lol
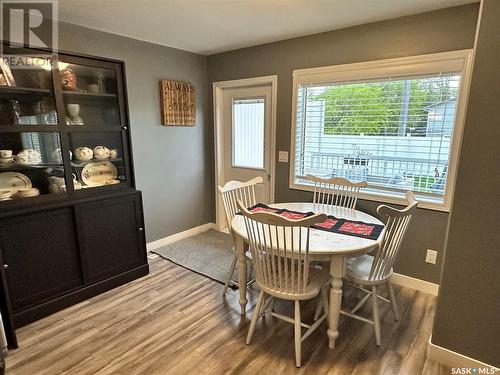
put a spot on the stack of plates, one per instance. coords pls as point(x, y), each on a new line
point(14, 181)
point(16, 185)
point(25, 193)
point(5, 195)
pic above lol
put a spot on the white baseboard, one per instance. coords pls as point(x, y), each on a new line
point(413, 283)
point(453, 359)
point(179, 236)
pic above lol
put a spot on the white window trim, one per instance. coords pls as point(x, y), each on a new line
point(459, 61)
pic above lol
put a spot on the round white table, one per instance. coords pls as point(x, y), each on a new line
point(323, 246)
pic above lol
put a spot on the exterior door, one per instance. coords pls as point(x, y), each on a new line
point(247, 136)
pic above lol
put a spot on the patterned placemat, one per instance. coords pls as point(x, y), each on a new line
point(331, 224)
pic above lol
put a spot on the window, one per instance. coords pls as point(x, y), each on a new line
point(248, 133)
point(394, 123)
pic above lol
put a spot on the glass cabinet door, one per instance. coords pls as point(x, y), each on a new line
point(26, 91)
point(90, 95)
point(31, 164)
point(63, 126)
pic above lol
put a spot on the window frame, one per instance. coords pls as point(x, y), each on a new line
point(456, 61)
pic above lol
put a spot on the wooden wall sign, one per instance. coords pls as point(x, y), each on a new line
point(178, 105)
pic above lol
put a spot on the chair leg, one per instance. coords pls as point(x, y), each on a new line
point(394, 303)
point(319, 307)
point(265, 301)
point(376, 317)
point(255, 316)
point(230, 274)
point(298, 334)
point(324, 297)
point(360, 303)
point(250, 271)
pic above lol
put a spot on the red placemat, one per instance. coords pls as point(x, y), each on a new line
point(331, 224)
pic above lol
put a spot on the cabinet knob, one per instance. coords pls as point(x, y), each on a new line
point(124, 128)
point(5, 266)
point(141, 229)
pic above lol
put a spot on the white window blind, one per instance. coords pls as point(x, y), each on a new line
point(395, 133)
point(248, 133)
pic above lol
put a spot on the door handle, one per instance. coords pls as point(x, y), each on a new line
point(269, 177)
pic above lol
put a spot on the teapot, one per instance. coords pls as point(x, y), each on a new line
point(83, 153)
point(101, 152)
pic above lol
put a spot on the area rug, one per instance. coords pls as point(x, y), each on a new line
point(209, 254)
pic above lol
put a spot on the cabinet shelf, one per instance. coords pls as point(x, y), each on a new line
point(25, 93)
point(89, 95)
point(93, 128)
point(16, 90)
point(28, 128)
point(16, 166)
point(78, 163)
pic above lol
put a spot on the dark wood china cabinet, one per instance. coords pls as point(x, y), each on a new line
point(71, 220)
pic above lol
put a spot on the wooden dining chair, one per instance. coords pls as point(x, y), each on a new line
point(231, 192)
point(371, 272)
point(280, 251)
point(336, 191)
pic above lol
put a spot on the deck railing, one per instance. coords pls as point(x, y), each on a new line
point(425, 175)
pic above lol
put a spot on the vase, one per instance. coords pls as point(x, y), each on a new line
point(73, 112)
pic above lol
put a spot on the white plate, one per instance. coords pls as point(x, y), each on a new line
point(99, 173)
point(5, 193)
point(33, 192)
point(14, 181)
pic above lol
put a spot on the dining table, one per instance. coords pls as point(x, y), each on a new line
point(324, 246)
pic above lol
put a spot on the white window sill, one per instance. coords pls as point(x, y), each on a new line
point(381, 196)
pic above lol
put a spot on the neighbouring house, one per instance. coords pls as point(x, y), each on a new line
point(440, 118)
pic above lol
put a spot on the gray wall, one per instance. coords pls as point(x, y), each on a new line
point(467, 318)
point(173, 165)
point(443, 30)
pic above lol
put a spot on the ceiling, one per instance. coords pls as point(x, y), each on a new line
point(211, 26)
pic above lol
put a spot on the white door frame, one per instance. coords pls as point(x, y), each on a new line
point(218, 88)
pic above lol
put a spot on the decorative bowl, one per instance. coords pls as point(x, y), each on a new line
point(101, 152)
point(83, 153)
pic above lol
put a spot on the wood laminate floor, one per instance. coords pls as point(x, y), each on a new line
point(174, 321)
